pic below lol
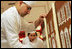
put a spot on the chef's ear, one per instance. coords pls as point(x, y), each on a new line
point(20, 3)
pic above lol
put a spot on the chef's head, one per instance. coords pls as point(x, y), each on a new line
point(24, 7)
point(32, 35)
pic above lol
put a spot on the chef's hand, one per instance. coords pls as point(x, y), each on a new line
point(42, 16)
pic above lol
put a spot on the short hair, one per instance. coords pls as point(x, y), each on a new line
point(29, 34)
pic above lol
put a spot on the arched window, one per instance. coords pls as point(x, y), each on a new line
point(68, 12)
point(62, 39)
point(59, 17)
point(67, 38)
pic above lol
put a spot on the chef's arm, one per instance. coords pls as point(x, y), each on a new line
point(38, 22)
point(12, 30)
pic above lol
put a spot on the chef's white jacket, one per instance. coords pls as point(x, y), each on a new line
point(10, 27)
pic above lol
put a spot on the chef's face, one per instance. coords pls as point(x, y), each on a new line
point(24, 9)
point(32, 36)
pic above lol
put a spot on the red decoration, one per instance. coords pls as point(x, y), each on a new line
point(21, 35)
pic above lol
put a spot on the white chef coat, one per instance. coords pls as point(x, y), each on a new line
point(10, 27)
point(37, 43)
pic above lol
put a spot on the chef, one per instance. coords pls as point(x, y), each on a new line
point(11, 24)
